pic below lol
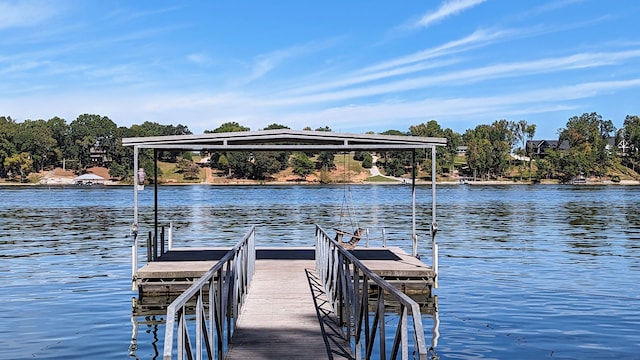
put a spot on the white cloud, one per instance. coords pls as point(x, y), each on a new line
point(448, 8)
point(264, 63)
point(200, 59)
point(491, 72)
point(477, 39)
point(25, 13)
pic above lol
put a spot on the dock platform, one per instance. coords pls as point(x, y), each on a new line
point(178, 268)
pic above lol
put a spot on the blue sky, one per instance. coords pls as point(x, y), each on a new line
point(354, 66)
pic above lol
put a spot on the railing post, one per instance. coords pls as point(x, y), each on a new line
point(170, 241)
point(162, 241)
point(384, 237)
point(367, 235)
point(149, 253)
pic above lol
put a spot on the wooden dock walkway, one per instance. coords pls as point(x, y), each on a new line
point(286, 316)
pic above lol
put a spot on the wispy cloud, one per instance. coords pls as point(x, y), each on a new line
point(448, 8)
point(478, 38)
point(25, 13)
point(200, 59)
point(467, 76)
point(265, 63)
point(461, 109)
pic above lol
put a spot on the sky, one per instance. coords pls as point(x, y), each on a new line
point(355, 66)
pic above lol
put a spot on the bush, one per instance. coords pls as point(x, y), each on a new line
point(367, 162)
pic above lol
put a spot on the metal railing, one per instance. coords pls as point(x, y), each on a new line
point(224, 288)
point(349, 285)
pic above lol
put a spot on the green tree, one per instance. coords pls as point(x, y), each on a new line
point(587, 136)
point(223, 163)
point(189, 169)
point(121, 166)
point(630, 133)
point(275, 126)
point(8, 130)
point(488, 148)
point(445, 157)
point(454, 140)
point(18, 164)
point(35, 138)
point(523, 132)
point(326, 160)
point(367, 161)
point(393, 132)
point(301, 164)
point(89, 132)
point(255, 166)
point(231, 126)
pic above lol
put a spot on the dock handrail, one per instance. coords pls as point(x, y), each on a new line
point(348, 284)
point(225, 285)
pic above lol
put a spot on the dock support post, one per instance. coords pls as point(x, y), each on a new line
point(170, 241)
point(155, 193)
point(414, 236)
point(134, 226)
point(384, 237)
point(434, 222)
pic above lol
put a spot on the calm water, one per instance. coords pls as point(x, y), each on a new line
point(525, 271)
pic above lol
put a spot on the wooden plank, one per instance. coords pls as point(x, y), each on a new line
point(279, 319)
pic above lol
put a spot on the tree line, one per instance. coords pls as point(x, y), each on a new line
point(588, 145)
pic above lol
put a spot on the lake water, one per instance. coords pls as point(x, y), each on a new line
point(525, 271)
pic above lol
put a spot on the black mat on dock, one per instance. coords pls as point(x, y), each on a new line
point(285, 254)
point(272, 254)
point(375, 254)
point(193, 255)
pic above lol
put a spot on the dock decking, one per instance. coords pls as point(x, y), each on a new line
point(175, 270)
point(280, 319)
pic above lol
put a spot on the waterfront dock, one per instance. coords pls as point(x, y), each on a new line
point(273, 315)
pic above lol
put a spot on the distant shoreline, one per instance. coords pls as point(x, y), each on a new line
point(304, 183)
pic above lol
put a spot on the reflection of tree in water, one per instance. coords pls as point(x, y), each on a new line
point(589, 226)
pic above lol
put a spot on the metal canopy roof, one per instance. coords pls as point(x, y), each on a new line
point(284, 139)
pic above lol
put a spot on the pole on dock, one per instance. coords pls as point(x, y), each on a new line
point(434, 222)
point(414, 236)
point(155, 193)
point(134, 226)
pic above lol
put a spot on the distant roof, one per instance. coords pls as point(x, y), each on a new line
point(284, 139)
point(89, 177)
